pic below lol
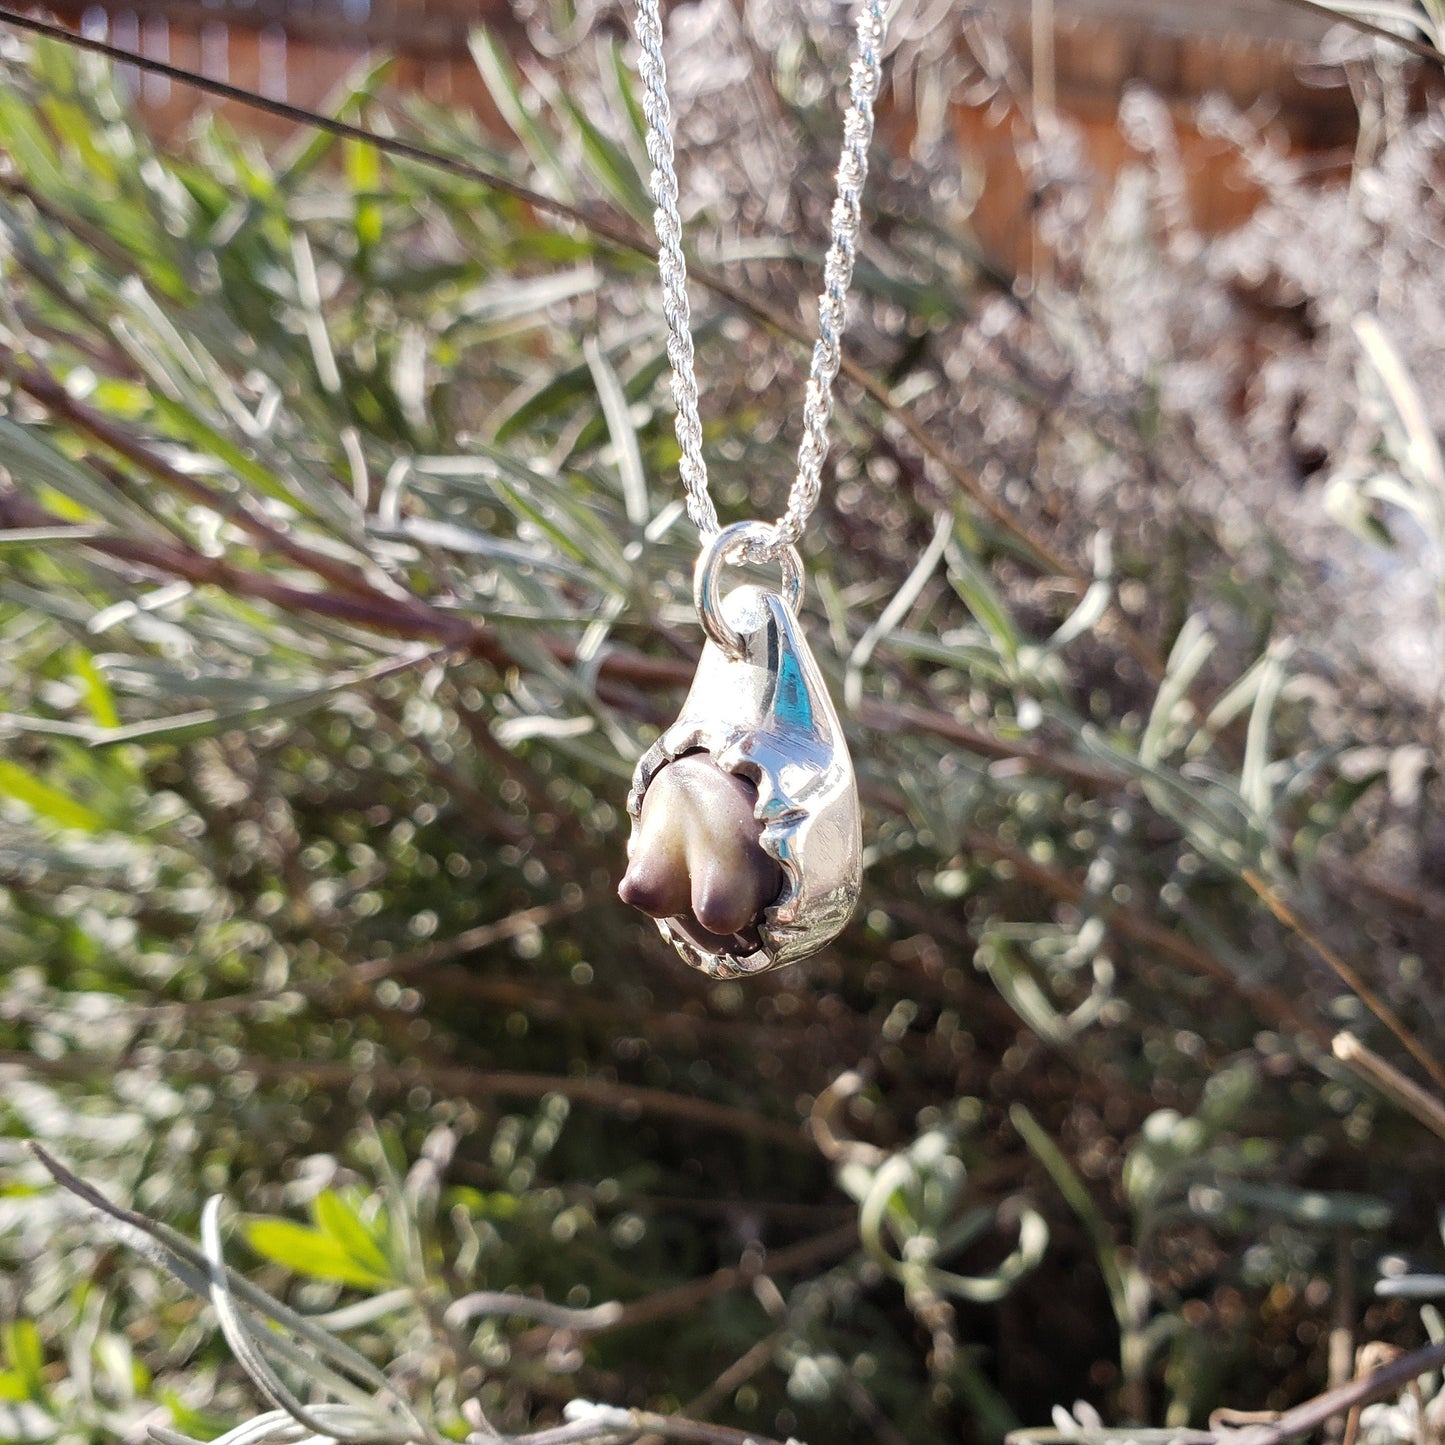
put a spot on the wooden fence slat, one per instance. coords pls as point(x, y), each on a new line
point(301, 50)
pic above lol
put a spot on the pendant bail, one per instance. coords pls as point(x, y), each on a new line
point(741, 542)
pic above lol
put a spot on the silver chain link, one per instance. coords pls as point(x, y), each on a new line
point(837, 275)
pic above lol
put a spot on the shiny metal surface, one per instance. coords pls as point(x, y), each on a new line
point(765, 715)
point(864, 78)
point(730, 545)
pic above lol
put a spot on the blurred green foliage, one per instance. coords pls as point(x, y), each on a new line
point(341, 582)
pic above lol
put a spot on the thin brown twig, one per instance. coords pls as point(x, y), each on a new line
point(53, 288)
point(54, 397)
point(83, 231)
point(1385, 1077)
point(737, 1374)
point(1269, 1001)
point(1341, 1355)
point(1349, 976)
point(733, 1378)
point(428, 956)
point(1035, 756)
point(543, 1001)
point(624, 238)
point(382, 613)
point(698, 1432)
point(1304, 1419)
point(510, 764)
point(666, 1303)
point(484, 935)
point(457, 1081)
point(343, 130)
point(1408, 898)
point(374, 614)
point(530, 996)
point(1358, 22)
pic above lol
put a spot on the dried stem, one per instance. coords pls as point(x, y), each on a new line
point(622, 236)
point(1390, 1082)
point(412, 618)
point(456, 1080)
point(666, 1303)
point(1348, 976)
point(1305, 1419)
point(1269, 1001)
point(416, 960)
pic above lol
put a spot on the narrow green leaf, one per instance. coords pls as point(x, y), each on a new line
point(1347, 498)
point(77, 130)
point(1095, 601)
point(611, 166)
point(1407, 422)
point(310, 1252)
point(1308, 1208)
point(1254, 785)
point(198, 1424)
point(555, 394)
point(13, 1386)
point(972, 583)
point(26, 1354)
point(624, 90)
point(495, 1205)
point(1190, 652)
point(36, 464)
point(494, 62)
point(363, 173)
point(628, 455)
point(897, 609)
point(45, 800)
point(313, 146)
point(29, 146)
point(518, 298)
point(335, 1217)
point(98, 697)
point(24, 1421)
point(124, 1372)
point(638, 385)
point(1022, 991)
point(1068, 1183)
point(17, 537)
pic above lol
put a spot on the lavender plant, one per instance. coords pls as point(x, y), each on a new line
point(339, 594)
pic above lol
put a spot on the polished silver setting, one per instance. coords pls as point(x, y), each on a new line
point(758, 705)
point(763, 712)
point(732, 545)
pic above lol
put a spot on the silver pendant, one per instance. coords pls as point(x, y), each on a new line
point(759, 710)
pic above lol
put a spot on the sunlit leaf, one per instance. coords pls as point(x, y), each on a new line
point(46, 800)
point(25, 1354)
point(311, 1252)
point(336, 1218)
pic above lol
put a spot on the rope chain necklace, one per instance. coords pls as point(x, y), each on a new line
point(746, 842)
